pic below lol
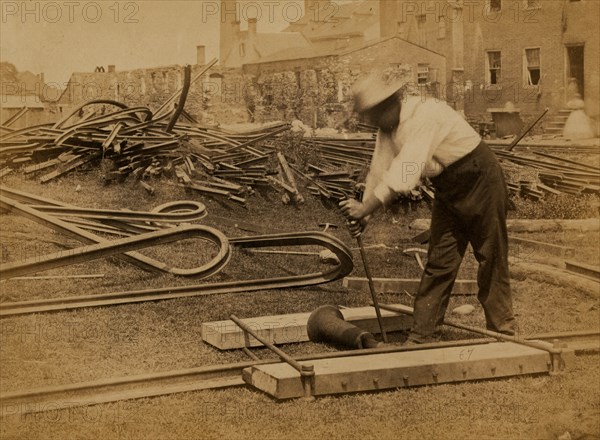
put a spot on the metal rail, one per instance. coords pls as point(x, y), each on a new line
point(51, 398)
point(188, 211)
point(100, 250)
point(344, 268)
point(87, 237)
point(307, 371)
point(156, 384)
point(540, 345)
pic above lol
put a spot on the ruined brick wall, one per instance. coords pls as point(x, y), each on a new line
point(214, 97)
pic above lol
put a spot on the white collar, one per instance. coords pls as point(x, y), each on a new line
point(409, 106)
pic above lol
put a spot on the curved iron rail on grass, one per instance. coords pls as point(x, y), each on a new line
point(104, 249)
point(292, 239)
point(87, 237)
point(164, 212)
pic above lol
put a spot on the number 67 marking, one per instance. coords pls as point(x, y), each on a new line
point(465, 354)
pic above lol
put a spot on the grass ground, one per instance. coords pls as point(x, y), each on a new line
point(81, 345)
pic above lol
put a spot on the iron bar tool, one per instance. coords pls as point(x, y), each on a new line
point(363, 256)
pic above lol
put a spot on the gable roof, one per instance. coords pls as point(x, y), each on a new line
point(313, 52)
point(264, 45)
point(270, 43)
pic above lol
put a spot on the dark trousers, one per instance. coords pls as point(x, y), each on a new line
point(470, 207)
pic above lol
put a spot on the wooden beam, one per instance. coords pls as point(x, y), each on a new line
point(398, 285)
point(548, 248)
point(556, 276)
point(291, 328)
point(532, 225)
point(401, 369)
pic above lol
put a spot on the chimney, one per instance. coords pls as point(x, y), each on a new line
point(389, 16)
point(229, 28)
point(200, 55)
point(252, 27)
point(111, 68)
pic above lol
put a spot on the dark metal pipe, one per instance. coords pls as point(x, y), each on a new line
point(514, 143)
point(187, 76)
point(371, 288)
point(508, 338)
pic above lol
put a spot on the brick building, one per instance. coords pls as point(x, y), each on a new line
point(522, 51)
point(238, 47)
point(314, 85)
point(475, 54)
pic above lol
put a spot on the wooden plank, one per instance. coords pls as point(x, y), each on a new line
point(286, 169)
point(548, 189)
point(64, 169)
point(532, 225)
point(549, 248)
point(291, 328)
point(398, 285)
point(554, 275)
point(401, 369)
point(40, 166)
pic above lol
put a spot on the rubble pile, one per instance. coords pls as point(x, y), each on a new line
point(138, 144)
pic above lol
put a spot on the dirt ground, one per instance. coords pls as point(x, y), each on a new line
point(81, 345)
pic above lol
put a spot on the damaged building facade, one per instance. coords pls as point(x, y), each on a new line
point(475, 55)
point(531, 53)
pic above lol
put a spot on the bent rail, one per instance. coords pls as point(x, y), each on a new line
point(293, 239)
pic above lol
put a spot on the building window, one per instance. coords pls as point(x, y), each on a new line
point(421, 19)
point(495, 5)
point(532, 67)
point(442, 27)
point(423, 74)
point(494, 67)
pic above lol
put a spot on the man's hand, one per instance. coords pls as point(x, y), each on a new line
point(356, 227)
point(353, 209)
point(357, 215)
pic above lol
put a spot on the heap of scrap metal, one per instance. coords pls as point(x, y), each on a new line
point(535, 174)
point(144, 144)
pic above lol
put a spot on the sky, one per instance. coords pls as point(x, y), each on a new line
point(61, 37)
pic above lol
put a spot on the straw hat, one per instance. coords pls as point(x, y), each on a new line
point(372, 90)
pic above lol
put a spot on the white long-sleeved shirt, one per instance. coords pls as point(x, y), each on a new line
point(429, 137)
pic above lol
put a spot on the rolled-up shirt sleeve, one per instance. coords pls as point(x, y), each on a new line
point(406, 169)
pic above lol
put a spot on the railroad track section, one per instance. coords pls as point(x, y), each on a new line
point(52, 398)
